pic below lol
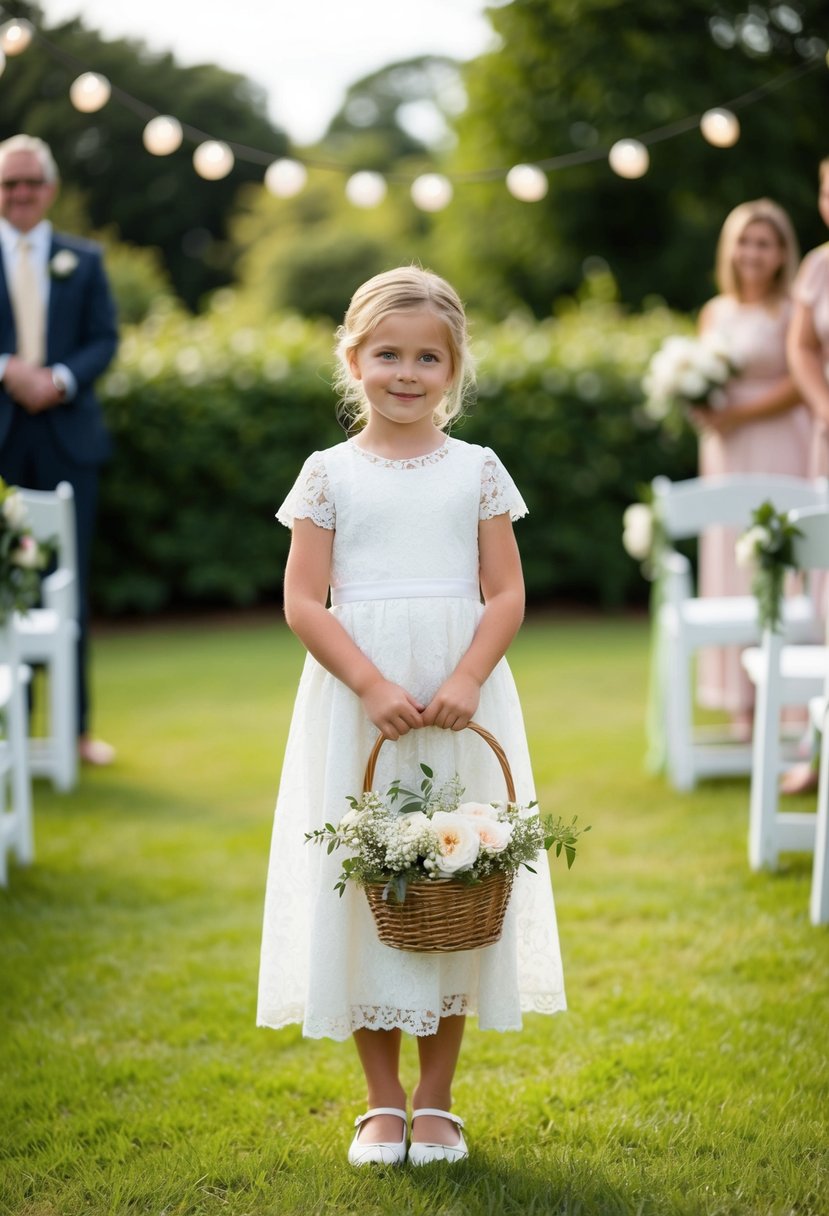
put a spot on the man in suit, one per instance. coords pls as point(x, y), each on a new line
point(57, 335)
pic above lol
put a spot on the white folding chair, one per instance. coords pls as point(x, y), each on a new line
point(16, 831)
point(784, 675)
point(49, 636)
point(686, 622)
point(819, 899)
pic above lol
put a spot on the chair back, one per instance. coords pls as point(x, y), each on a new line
point(812, 548)
point(51, 516)
point(685, 508)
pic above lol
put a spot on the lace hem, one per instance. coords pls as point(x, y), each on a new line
point(413, 462)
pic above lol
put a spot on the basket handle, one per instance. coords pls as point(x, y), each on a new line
point(500, 756)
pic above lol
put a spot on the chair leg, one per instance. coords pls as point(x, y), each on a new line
point(24, 845)
point(680, 717)
point(63, 709)
point(765, 761)
point(819, 900)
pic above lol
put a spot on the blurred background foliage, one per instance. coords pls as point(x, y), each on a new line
point(228, 295)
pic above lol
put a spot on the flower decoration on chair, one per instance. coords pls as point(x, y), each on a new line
point(687, 372)
point(21, 556)
point(405, 836)
point(767, 548)
point(642, 534)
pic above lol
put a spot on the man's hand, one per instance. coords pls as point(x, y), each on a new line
point(32, 387)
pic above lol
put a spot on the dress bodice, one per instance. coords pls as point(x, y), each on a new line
point(756, 336)
point(403, 519)
point(812, 289)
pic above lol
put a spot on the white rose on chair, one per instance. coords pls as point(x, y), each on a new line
point(28, 554)
point(458, 842)
point(637, 530)
point(750, 545)
point(14, 510)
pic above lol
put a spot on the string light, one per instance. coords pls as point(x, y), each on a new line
point(365, 189)
point(163, 135)
point(720, 127)
point(527, 183)
point(90, 92)
point(629, 158)
point(15, 36)
point(431, 192)
point(285, 177)
point(213, 160)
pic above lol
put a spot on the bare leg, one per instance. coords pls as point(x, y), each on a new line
point(379, 1052)
point(438, 1058)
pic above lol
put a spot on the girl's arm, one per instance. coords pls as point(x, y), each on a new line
point(806, 361)
point(502, 583)
point(387, 705)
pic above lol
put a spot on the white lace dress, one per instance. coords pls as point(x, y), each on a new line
point(404, 584)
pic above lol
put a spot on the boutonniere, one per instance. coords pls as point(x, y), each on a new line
point(63, 264)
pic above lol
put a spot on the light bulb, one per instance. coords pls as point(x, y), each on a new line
point(213, 160)
point(527, 183)
point(15, 36)
point(431, 191)
point(365, 189)
point(162, 135)
point(285, 177)
point(629, 158)
point(720, 127)
point(89, 92)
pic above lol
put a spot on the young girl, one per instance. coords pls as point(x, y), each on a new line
point(411, 530)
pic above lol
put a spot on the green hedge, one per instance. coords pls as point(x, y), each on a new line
point(212, 422)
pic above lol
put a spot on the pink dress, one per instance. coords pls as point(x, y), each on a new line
point(811, 287)
point(780, 443)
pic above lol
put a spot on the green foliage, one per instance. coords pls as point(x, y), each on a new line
point(689, 1076)
point(212, 423)
point(569, 79)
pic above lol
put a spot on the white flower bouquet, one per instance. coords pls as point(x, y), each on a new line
point(686, 372)
point(21, 556)
point(429, 854)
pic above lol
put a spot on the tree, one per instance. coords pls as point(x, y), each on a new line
point(155, 201)
point(576, 77)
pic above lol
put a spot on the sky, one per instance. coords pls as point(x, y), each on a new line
point(305, 53)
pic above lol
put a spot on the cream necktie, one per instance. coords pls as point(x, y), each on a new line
point(27, 300)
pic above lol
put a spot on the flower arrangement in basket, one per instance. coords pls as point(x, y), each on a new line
point(687, 372)
point(438, 871)
point(767, 548)
point(22, 557)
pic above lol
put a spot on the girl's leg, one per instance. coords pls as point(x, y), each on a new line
point(379, 1052)
point(438, 1058)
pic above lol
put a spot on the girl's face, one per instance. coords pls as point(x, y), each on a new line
point(758, 255)
point(405, 366)
point(823, 197)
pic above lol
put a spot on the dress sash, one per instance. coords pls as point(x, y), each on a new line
point(406, 589)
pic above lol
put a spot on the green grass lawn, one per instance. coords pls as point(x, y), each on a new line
point(690, 1075)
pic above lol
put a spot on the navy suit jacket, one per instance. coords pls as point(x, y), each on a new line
point(81, 332)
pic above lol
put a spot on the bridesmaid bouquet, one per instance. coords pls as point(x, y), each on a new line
point(406, 836)
point(687, 372)
point(21, 556)
point(767, 548)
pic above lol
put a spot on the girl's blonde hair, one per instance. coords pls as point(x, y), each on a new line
point(405, 289)
point(734, 227)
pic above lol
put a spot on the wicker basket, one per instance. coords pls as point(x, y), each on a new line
point(443, 915)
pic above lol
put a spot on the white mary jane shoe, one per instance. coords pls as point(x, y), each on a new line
point(378, 1154)
point(423, 1154)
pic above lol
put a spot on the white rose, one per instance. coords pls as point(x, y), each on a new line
point(750, 544)
point(692, 385)
point(458, 844)
point(27, 555)
point(14, 510)
point(494, 836)
point(637, 536)
point(477, 810)
point(63, 263)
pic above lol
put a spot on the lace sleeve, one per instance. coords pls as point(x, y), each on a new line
point(311, 496)
point(499, 493)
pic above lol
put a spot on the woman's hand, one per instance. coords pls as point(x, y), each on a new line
point(453, 705)
point(720, 421)
point(392, 710)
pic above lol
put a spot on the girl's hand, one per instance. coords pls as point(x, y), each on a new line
point(391, 709)
point(453, 705)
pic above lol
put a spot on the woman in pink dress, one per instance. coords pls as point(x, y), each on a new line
point(762, 427)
